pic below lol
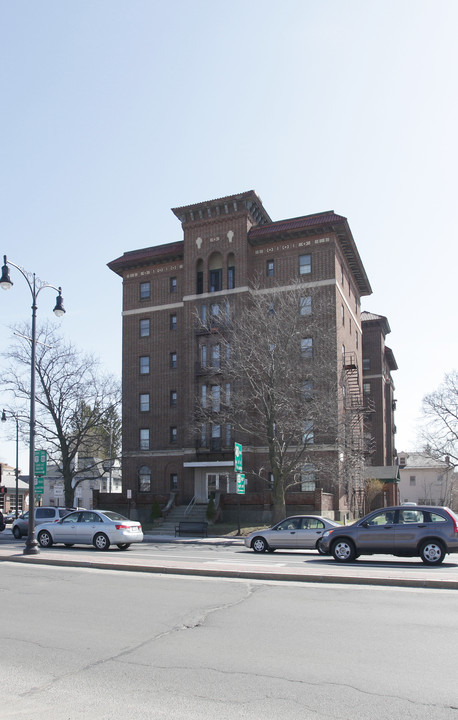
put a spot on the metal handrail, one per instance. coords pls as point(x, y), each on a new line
point(190, 506)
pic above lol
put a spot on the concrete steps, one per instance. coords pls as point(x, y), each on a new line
point(177, 514)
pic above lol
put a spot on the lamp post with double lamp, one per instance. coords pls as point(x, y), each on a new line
point(16, 471)
point(35, 287)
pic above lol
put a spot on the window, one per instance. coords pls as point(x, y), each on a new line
point(215, 310)
point(306, 305)
point(144, 479)
point(308, 436)
point(357, 340)
point(307, 347)
point(216, 437)
point(173, 434)
point(216, 398)
point(144, 365)
point(173, 284)
point(203, 314)
point(173, 360)
point(144, 328)
point(144, 438)
point(307, 389)
point(173, 481)
point(270, 268)
point(343, 314)
point(144, 402)
point(230, 278)
point(203, 435)
point(308, 480)
point(366, 388)
point(203, 356)
point(412, 480)
point(216, 280)
point(305, 264)
point(145, 291)
point(228, 435)
point(227, 399)
point(366, 363)
point(173, 398)
point(173, 322)
point(215, 356)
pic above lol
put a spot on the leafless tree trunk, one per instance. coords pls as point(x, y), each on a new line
point(75, 401)
point(276, 380)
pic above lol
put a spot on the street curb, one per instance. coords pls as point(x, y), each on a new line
point(278, 575)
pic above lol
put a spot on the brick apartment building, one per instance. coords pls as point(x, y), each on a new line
point(378, 384)
point(226, 243)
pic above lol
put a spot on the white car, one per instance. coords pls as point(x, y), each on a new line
point(299, 532)
point(100, 528)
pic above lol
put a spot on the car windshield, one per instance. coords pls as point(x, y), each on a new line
point(113, 515)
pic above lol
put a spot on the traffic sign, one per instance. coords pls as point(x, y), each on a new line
point(240, 480)
point(237, 457)
point(40, 462)
point(39, 486)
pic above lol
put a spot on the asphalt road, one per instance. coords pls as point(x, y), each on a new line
point(88, 643)
point(230, 558)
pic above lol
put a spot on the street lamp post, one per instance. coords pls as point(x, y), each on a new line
point(35, 287)
point(16, 471)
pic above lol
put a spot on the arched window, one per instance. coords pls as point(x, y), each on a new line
point(215, 273)
point(144, 479)
point(200, 277)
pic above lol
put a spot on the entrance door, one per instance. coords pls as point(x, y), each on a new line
point(217, 482)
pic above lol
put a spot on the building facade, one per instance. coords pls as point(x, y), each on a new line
point(426, 481)
point(227, 243)
point(378, 389)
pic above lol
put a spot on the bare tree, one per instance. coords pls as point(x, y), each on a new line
point(275, 381)
point(76, 403)
point(372, 488)
point(440, 426)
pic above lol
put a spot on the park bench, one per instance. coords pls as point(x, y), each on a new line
point(191, 527)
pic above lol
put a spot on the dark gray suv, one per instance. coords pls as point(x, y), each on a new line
point(405, 531)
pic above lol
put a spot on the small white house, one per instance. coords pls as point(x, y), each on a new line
point(424, 480)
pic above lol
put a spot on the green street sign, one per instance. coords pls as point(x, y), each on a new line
point(240, 480)
point(40, 462)
point(237, 457)
point(39, 486)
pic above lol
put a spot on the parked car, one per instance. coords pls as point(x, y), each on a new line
point(20, 526)
point(300, 532)
point(9, 517)
point(421, 530)
point(100, 528)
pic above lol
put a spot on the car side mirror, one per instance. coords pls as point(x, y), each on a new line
point(365, 524)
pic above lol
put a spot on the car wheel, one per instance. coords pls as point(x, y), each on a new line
point(343, 551)
point(44, 538)
point(17, 533)
point(432, 552)
point(101, 542)
point(69, 544)
point(319, 547)
point(123, 546)
point(259, 545)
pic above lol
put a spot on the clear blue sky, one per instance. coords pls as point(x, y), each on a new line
point(112, 112)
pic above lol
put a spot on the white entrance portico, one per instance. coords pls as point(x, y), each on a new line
point(212, 477)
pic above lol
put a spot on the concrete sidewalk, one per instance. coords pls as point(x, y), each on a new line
point(325, 571)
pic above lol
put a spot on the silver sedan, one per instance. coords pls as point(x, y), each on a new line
point(100, 528)
point(300, 532)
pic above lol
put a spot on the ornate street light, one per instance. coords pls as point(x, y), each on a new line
point(35, 287)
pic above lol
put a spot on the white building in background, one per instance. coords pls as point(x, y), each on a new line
point(425, 481)
point(96, 476)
